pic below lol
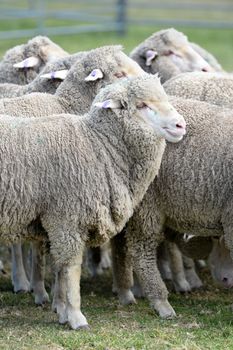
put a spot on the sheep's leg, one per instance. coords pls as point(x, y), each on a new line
point(66, 247)
point(163, 262)
point(56, 287)
point(59, 299)
point(27, 259)
point(137, 289)
point(177, 268)
point(190, 273)
point(105, 261)
point(18, 274)
point(38, 273)
point(71, 275)
point(94, 258)
point(122, 270)
point(145, 266)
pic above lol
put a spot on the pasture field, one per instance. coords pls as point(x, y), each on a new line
point(204, 321)
point(205, 318)
point(218, 41)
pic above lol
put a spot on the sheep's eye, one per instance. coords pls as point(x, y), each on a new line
point(141, 105)
point(170, 52)
point(119, 75)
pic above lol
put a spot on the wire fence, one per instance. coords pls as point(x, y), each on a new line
point(20, 18)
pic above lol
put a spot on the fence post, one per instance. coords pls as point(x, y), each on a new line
point(121, 17)
point(41, 16)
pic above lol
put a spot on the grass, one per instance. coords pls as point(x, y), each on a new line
point(219, 42)
point(204, 322)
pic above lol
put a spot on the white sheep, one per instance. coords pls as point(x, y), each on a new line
point(75, 94)
point(21, 64)
point(82, 177)
point(168, 52)
point(47, 80)
point(192, 193)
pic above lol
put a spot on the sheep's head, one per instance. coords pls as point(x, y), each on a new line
point(56, 71)
point(174, 49)
point(221, 264)
point(38, 51)
point(144, 101)
point(107, 64)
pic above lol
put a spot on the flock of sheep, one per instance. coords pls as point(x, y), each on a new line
point(84, 162)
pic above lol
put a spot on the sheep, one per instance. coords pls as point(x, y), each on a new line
point(208, 57)
point(21, 64)
point(211, 248)
point(192, 193)
point(75, 94)
point(168, 52)
point(45, 80)
point(215, 88)
point(46, 84)
point(82, 177)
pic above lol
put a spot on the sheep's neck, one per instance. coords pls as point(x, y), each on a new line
point(141, 159)
point(74, 97)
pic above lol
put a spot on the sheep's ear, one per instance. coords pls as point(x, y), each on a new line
point(187, 237)
point(150, 56)
point(27, 63)
point(59, 74)
point(113, 104)
point(94, 75)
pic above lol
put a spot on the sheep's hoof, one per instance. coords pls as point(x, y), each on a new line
point(126, 297)
point(164, 309)
point(182, 286)
point(41, 299)
point(137, 291)
point(84, 328)
point(77, 320)
point(194, 281)
point(22, 288)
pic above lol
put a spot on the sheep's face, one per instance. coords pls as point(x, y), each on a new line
point(108, 64)
point(126, 67)
point(221, 264)
point(159, 114)
point(176, 48)
point(148, 105)
point(38, 52)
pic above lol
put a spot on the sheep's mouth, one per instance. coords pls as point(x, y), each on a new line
point(178, 132)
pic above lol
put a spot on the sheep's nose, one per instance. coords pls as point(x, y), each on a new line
point(181, 125)
point(205, 69)
point(225, 279)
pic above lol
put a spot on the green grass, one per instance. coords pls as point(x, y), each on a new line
point(204, 322)
point(219, 42)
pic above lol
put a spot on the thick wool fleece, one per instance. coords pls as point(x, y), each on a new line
point(208, 57)
point(41, 84)
point(41, 47)
point(192, 192)
point(74, 94)
point(215, 88)
point(81, 177)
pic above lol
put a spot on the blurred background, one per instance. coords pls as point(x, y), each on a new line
point(81, 25)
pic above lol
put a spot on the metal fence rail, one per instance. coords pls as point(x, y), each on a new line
point(207, 14)
point(53, 17)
